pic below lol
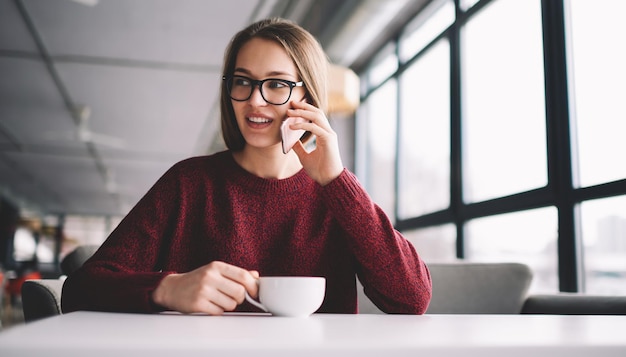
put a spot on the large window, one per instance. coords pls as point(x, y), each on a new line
point(598, 73)
point(424, 135)
point(381, 130)
point(504, 131)
point(494, 133)
point(596, 50)
point(604, 242)
point(532, 242)
point(434, 243)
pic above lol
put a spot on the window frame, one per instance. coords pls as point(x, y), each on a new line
point(560, 191)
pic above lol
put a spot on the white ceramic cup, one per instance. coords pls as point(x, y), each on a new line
point(295, 296)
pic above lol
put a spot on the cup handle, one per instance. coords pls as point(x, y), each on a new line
point(255, 303)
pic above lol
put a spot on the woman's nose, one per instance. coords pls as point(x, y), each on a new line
point(256, 98)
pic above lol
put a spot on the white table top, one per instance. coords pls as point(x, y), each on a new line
point(114, 334)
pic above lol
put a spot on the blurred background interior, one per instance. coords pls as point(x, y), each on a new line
point(488, 130)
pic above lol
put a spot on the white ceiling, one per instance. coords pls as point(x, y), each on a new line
point(147, 70)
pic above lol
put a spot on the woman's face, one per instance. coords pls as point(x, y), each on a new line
point(259, 121)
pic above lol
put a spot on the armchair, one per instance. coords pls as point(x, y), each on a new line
point(471, 288)
point(479, 288)
point(500, 288)
point(575, 304)
point(42, 297)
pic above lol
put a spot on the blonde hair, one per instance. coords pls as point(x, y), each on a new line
point(304, 50)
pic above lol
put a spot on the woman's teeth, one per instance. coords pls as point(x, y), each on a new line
point(259, 120)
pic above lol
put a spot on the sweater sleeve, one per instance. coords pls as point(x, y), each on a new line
point(124, 272)
point(393, 275)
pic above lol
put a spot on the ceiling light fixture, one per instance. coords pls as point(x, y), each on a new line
point(343, 90)
point(87, 2)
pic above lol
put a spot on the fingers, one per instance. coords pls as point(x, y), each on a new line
point(241, 280)
point(323, 164)
point(314, 118)
point(213, 289)
point(299, 149)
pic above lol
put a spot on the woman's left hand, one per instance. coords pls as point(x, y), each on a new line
point(323, 164)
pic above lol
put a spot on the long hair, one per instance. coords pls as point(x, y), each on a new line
point(304, 50)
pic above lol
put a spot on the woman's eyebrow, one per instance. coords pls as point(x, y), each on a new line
point(242, 70)
point(269, 74)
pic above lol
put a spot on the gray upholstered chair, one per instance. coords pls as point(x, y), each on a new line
point(42, 297)
point(77, 257)
point(479, 288)
point(500, 288)
point(366, 306)
point(574, 304)
point(471, 288)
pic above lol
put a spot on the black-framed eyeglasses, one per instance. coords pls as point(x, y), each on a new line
point(273, 90)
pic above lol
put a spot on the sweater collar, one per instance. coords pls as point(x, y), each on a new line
point(260, 185)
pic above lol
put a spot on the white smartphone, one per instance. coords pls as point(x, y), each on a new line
point(290, 137)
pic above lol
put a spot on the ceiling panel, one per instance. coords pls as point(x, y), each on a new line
point(19, 181)
point(30, 183)
point(148, 109)
point(147, 70)
point(134, 178)
point(188, 32)
point(14, 34)
point(29, 101)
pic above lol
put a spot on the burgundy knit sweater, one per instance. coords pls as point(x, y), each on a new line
point(209, 208)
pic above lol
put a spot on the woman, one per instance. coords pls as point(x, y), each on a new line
point(202, 235)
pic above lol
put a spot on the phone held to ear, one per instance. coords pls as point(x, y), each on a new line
point(289, 136)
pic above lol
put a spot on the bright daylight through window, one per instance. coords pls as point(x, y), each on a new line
point(597, 55)
point(504, 135)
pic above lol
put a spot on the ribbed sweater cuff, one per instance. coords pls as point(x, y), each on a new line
point(141, 286)
point(345, 192)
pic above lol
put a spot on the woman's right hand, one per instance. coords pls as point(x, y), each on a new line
point(212, 289)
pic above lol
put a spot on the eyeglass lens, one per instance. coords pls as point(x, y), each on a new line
point(273, 91)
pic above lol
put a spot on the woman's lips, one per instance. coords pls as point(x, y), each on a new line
point(259, 122)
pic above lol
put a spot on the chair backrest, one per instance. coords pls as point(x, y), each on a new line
point(77, 257)
point(478, 288)
point(366, 306)
point(41, 298)
point(470, 288)
point(575, 304)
